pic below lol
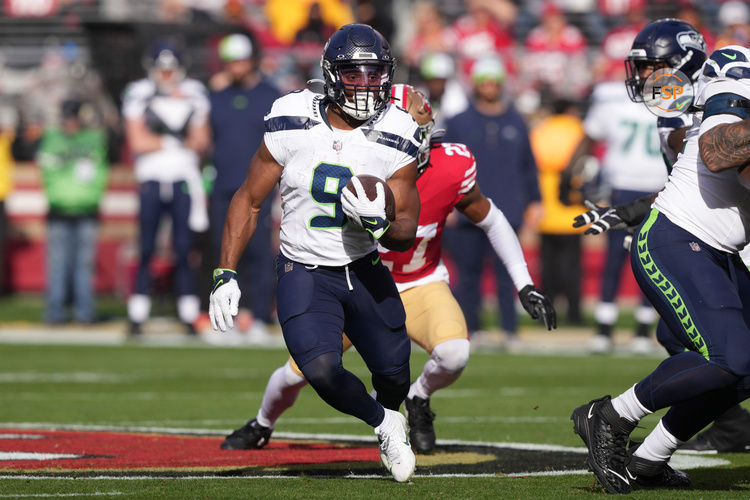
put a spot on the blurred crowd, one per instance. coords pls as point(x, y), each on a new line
point(62, 106)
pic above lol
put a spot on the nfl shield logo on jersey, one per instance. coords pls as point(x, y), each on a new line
point(337, 145)
point(695, 247)
point(288, 266)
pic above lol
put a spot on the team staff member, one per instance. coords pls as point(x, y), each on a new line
point(499, 139)
point(236, 118)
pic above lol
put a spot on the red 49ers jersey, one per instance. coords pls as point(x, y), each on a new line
point(451, 174)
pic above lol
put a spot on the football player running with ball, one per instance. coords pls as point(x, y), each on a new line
point(330, 276)
point(447, 179)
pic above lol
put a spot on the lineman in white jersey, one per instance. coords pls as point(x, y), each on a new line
point(166, 126)
point(685, 260)
point(674, 44)
point(330, 276)
point(633, 168)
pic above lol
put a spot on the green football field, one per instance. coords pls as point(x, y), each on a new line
point(499, 398)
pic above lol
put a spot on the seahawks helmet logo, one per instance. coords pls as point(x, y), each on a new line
point(691, 40)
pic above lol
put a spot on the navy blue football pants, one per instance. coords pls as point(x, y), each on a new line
point(317, 304)
point(175, 201)
point(701, 295)
point(469, 247)
point(255, 268)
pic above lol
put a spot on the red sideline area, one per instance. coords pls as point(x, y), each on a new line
point(120, 450)
point(117, 250)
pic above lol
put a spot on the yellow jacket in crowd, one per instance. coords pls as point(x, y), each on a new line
point(553, 141)
point(287, 17)
point(6, 164)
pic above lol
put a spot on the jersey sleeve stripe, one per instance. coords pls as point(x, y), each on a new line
point(467, 185)
point(471, 171)
point(727, 103)
point(279, 123)
point(392, 141)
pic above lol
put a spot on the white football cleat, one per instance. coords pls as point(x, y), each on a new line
point(642, 345)
point(395, 450)
point(600, 344)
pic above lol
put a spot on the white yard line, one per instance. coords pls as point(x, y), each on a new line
point(58, 495)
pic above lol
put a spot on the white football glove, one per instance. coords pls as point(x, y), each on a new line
point(224, 301)
point(367, 214)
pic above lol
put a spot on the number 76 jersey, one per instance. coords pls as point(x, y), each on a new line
point(318, 161)
point(451, 174)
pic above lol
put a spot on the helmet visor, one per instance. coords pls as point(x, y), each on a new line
point(364, 76)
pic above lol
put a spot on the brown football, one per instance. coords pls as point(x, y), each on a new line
point(368, 183)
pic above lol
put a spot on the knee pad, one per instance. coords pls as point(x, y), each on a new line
point(452, 355)
point(292, 374)
point(322, 372)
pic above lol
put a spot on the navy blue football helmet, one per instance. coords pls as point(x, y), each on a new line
point(666, 43)
point(358, 70)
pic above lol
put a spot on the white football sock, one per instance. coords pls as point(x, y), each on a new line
point(628, 407)
point(139, 307)
point(445, 365)
point(659, 445)
point(389, 421)
point(188, 308)
point(281, 392)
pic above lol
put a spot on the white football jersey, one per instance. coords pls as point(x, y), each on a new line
point(714, 206)
point(664, 127)
point(318, 162)
point(174, 162)
point(632, 160)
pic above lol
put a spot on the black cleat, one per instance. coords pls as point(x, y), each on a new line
point(421, 430)
point(251, 436)
point(605, 434)
point(730, 433)
point(648, 474)
point(135, 329)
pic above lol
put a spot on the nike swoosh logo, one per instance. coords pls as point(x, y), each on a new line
point(732, 57)
point(631, 476)
point(370, 221)
point(591, 408)
point(618, 475)
point(375, 261)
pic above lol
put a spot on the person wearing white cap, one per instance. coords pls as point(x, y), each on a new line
point(499, 138)
point(734, 17)
point(447, 97)
point(240, 99)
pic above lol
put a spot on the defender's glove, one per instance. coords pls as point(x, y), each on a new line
point(224, 301)
point(538, 305)
point(366, 213)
